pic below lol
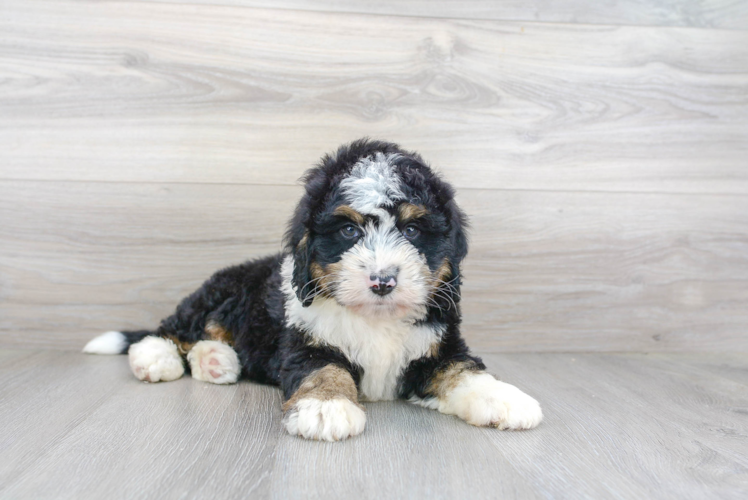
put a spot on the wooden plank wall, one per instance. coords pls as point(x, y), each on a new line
point(602, 154)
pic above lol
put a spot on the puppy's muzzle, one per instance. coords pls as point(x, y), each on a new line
point(381, 284)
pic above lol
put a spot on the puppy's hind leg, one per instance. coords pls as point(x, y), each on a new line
point(159, 356)
point(155, 359)
point(214, 361)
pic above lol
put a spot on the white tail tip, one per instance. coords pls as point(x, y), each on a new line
point(106, 343)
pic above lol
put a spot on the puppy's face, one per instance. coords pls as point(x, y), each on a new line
point(384, 240)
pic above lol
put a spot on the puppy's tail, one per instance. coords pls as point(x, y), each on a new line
point(115, 342)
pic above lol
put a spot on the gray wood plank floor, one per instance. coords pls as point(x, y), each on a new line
point(616, 426)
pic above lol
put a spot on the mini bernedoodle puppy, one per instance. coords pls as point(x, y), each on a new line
point(363, 304)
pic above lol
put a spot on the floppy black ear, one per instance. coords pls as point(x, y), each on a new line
point(302, 276)
point(458, 232)
point(298, 240)
point(459, 243)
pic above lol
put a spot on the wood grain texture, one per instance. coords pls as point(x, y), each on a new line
point(616, 426)
point(144, 145)
point(731, 14)
point(128, 91)
point(50, 410)
point(547, 271)
point(635, 420)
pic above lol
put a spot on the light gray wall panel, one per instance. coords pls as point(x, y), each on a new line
point(197, 93)
point(546, 271)
point(731, 14)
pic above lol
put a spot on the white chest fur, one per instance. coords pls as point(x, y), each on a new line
point(382, 347)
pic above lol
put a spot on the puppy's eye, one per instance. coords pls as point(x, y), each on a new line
point(350, 232)
point(411, 232)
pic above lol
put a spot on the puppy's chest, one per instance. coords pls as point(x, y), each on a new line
point(384, 353)
point(382, 348)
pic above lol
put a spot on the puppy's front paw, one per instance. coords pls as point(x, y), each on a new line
point(328, 420)
point(481, 400)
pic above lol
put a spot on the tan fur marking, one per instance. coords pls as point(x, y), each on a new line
point(346, 211)
point(444, 272)
point(330, 382)
point(316, 270)
point(434, 350)
point(313, 341)
point(408, 211)
point(441, 276)
point(182, 346)
point(446, 380)
point(323, 276)
point(219, 333)
point(303, 240)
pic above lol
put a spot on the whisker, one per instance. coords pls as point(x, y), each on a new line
point(319, 289)
point(450, 301)
point(446, 287)
point(447, 282)
point(310, 282)
point(431, 302)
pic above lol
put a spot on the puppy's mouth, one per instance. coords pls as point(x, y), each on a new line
point(393, 305)
point(382, 308)
point(387, 293)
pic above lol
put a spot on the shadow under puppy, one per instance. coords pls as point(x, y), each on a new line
point(362, 304)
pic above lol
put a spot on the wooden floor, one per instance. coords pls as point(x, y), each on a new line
point(616, 426)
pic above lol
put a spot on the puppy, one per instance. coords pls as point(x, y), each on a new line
point(363, 304)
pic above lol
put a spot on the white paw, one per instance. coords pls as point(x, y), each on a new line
point(155, 359)
point(215, 362)
point(330, 420)
point(481, 400)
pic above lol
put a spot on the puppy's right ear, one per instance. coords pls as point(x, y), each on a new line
point(299, 237)
point(302, 276)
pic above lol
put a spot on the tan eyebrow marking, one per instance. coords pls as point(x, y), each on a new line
point(408, 211)
point(346, 211)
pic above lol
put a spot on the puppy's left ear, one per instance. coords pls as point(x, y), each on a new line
point(457, 234)
point(302, 276)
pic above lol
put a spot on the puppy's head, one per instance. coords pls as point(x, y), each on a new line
point(378, 232)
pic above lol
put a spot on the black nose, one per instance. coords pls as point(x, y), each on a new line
point(382, 285)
